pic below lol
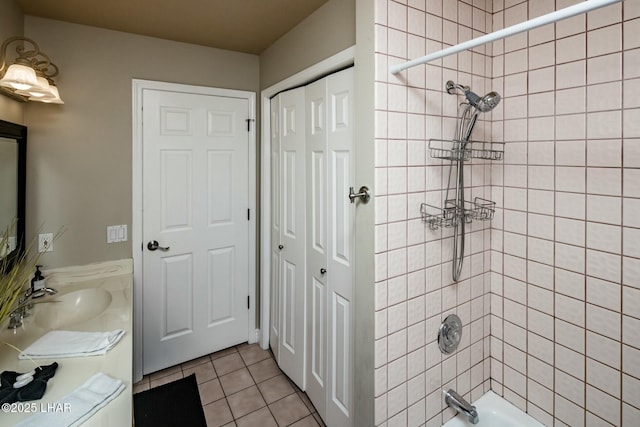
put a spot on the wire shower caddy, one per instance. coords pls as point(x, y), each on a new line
point(465, 150)
point(479, 209)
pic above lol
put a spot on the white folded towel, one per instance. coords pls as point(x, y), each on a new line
point(77, 407)
point(57, 344)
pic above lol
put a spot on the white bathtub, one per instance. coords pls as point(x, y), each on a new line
point(494, 411)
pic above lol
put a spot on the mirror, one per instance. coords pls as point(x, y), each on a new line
point(13, 168)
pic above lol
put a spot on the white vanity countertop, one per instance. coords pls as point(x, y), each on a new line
point(116, 277)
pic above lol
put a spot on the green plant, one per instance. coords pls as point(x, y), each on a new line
point(16, 271)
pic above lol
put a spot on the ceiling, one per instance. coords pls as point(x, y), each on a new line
point(241, 25)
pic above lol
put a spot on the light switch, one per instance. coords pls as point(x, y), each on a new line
point(116, 233)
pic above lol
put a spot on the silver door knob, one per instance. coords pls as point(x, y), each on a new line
point(154, 245)
point(323, 270)
point(364, 194)
point(281, 247)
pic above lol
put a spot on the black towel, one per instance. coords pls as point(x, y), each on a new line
point(32, 391)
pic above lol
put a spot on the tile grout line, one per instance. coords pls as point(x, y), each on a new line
point(259, 391)
point(296, 390)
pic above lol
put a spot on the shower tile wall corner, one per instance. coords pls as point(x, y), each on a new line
point(571, 359)
point(550, 291)
point(414, 289)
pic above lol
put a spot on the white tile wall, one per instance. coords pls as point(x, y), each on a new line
point(590, 174)
point(563, 246)
point(413, 264)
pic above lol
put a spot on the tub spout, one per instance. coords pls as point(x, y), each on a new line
point(457, 402)
point(473, 416)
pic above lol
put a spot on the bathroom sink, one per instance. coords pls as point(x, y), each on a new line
point(72, 308)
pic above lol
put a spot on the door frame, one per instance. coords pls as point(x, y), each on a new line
point(138, 88)
point(336, 62)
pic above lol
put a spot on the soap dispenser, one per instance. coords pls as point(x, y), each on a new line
point(37, 283)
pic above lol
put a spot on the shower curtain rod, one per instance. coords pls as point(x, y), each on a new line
point(549, 18)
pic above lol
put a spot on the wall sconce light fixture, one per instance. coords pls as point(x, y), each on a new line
point(30, 77)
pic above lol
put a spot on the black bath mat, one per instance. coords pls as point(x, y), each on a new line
point(176, 404)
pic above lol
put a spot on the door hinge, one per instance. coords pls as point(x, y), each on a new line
point(248, 214)
point(249, 124)
point(248, 302)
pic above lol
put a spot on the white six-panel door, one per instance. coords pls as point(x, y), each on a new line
point(317, 250)
point(274, 335)
point(330, 231)
point(195, 201)
point(341, 232)
point(322, 116)
point(290, 246)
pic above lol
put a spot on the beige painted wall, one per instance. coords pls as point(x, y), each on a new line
point(329, 30)
point(11, 24)
point(364, 304)
point(80, 153)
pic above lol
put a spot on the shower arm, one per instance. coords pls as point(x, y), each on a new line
point(451, 88)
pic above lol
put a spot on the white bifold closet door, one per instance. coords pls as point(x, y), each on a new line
point(330, 246)
point(312, 234)
point(274, 310)
point(288, 235)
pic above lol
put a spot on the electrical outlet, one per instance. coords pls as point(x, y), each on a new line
point(45, 242)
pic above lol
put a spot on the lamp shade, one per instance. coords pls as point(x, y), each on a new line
point(19, 77)
point(41, 89)
point(52, 98)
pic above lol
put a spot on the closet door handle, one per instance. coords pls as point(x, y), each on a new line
point(364, 194)
point(281, 247)
point(323, 271)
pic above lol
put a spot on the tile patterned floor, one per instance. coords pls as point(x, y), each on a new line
point(242, 386)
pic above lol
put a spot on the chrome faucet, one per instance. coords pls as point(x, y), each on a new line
point(25, 303)
point(457, 402)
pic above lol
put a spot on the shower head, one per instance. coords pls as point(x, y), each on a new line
point(488, 102)
point(484, 104)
